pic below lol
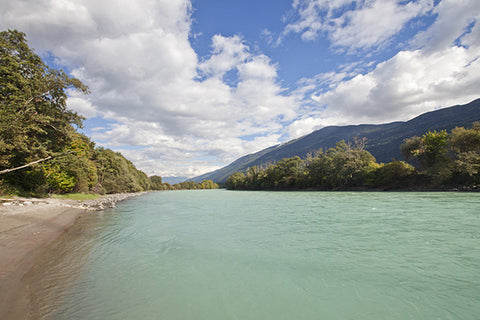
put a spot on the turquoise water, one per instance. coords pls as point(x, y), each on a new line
point(272, 255)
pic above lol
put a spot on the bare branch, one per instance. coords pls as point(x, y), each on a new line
point(35, 162)
point(26, 165)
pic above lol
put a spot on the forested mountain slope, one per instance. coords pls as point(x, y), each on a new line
point(383, 141)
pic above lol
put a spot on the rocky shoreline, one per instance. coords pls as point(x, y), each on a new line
point(102, 203)
point(108, 201)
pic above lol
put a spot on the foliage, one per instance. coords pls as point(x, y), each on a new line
point(466, 140)
point(157, 184)
point(208, 184)
point(34, 120)
point(394, 175)
point(465, 144)
point(348, 166)
point(447, 159)
point(236, 181)
point(116, 174)
point(59, 179)
point(345, 166)
point(442, 161)
point(36, 124)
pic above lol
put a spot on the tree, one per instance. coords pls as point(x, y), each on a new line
point(466, 140)
point(74, 170)
point(236, 181)
point(465, 143)
point(209, 184)
point(288, 172)
point(394, 175)
point(117, 174)
point(34, 120)
point(319, 168)
point(156, 183)
point(431, 151)
point(349, 165)
point(254, 177)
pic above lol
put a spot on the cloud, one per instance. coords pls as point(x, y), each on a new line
point(453, 21)
point(410, 83)
point(305, 125)
point(354, 25)
point(227, 53)
point(81, 105)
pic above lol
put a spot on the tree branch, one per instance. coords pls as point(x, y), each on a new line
point(26, 165)
point(34, 162)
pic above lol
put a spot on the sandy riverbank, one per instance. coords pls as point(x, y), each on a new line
point(26, 227)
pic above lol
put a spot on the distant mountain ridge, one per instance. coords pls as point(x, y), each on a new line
point(383, 141)
point(173, 179)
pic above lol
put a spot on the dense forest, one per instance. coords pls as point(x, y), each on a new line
point(157, 184)
point(41, 150)
point(437, 161)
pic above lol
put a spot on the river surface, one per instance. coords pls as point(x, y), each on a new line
point(268, 255)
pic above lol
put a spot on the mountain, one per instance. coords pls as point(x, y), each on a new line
point(174, 180)
point(383, 141)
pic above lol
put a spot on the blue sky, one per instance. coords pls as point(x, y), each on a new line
point(184, 87)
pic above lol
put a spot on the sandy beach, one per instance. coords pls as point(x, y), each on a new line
point(26, 227)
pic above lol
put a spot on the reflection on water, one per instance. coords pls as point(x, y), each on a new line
point(59, 267)
point(268, 255)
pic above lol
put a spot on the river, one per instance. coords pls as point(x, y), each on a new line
point(268, 255)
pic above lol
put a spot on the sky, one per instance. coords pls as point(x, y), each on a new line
point(184, 87)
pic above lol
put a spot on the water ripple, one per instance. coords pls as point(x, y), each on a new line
point(265, 255)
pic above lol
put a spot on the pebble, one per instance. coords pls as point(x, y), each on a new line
point(108, 201)
point(102, 203)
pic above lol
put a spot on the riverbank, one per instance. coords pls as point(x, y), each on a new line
point(26, 227)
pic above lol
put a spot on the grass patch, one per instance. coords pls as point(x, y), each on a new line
point(77, 196)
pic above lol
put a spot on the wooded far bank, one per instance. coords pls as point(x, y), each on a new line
point(438, 161)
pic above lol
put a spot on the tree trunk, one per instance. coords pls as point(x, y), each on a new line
point(26, 165)
point(35, 162)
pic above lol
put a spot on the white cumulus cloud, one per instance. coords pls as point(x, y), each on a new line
point(354, 24)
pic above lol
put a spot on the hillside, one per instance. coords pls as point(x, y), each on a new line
point(383, 141)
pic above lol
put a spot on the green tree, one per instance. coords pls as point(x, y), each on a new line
point(431, 152)
point(236, 181)
point(430, 149)
point(349, 165)
point(209, 184)
point(288, 172)
point(466, 140)
point(156, 183)
point(254, 178)
point(319, 169)
point(74, 170)
point(394, 175)
point(116, 174)
point(465, 144)
point(34, 120)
